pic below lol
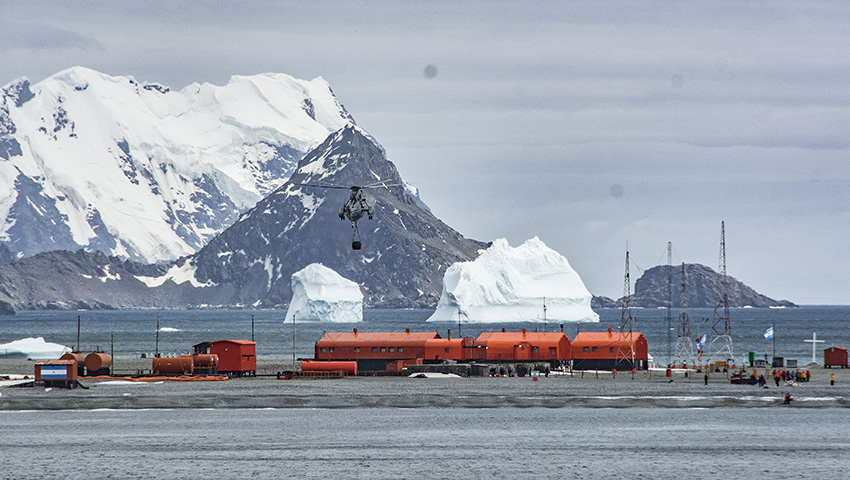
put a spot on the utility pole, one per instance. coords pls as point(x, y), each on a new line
point(669, 302)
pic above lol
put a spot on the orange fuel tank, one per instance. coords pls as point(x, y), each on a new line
point(204, 360)
point(97, 361)
point(173, 365)
point(79, 358)
point(350, 368)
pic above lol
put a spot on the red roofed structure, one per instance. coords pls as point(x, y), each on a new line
point(373, 350)
point(609, 351)
point(525, 346)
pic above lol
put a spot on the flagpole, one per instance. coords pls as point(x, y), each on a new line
point(773, 327)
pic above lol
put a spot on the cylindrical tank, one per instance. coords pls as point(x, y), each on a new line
point(97, 361)
point(173, 365)
point(79, 358)
point(349, 368)
point(205, 360)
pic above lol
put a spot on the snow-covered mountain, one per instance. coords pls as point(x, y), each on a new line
point(143, 172)
point(406, 249)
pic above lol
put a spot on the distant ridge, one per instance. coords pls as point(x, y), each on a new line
point(701, 290)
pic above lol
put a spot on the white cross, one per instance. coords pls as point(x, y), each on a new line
point(814, 341)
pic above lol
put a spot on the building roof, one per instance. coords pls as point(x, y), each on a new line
point(360, 338)
point(517, 337)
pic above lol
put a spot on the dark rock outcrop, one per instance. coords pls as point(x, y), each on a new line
point(702, 289)
point(406, 249)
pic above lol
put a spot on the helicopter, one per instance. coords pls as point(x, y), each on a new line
point(356, 206)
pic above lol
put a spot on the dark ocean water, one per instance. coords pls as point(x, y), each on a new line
point(134, 331)
point(584, 443)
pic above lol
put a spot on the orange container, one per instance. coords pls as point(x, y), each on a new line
point(97, 361)
point(205, 360)
point(349, 368)
point(56, 370)
point(173, 365)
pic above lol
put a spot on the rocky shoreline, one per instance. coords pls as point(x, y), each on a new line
point(266, 391)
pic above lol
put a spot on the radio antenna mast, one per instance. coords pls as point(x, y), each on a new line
point(721, 345)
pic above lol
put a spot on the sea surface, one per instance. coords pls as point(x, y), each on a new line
point(131, 333)
point(426, 442)
point(583, 443)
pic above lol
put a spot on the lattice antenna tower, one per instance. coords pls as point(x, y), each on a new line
point(684, 342)
point(669, 302)
point(721, 344)
point(626, 350)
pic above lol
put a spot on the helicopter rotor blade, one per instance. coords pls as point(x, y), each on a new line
point(382, 184)
point(337, 187)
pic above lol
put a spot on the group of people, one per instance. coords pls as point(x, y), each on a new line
point(789, 376)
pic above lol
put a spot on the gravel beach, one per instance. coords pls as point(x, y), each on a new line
point(644, 390)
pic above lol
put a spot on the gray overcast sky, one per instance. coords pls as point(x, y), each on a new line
point(593, 125)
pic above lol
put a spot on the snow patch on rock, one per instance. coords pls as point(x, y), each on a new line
point(506, 284)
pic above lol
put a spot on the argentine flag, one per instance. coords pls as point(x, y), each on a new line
point(768, 334)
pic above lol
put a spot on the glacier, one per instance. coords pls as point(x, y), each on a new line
point(34, 348)
point(506, 284)
point(319, 294)
point(141, 171)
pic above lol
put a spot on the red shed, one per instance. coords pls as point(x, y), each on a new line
point(835, 357)
point(59, 373)
point(610, 350)
point(373, 350)
point(235, 357)
point(525, 346)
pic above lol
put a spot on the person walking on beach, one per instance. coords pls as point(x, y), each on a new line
point(832, 379)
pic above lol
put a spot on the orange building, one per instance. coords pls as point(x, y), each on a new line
point(525, 346)
point(610, 350)
point(373, 350)
point(835, 357)
point(459, 349)
point(237, 358)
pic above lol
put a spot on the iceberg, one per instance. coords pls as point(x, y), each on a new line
point(35, 348)
point(319, 294)
point(506, 284)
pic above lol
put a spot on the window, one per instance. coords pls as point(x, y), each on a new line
point(331, 349)
point(322, 349)
point(534, 349)
point(356, 349)
point(595, 349)
point(392, 349)
point(383, 349)
point(611, 349)
point(374, 349)
point(400, 349)
point(447, 349)
point(586, 349)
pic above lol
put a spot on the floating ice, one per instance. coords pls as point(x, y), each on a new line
point(506, 284)
point(319, 294)
point(35, 348)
